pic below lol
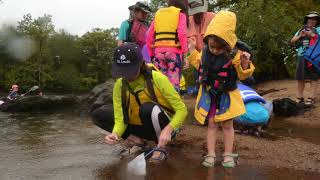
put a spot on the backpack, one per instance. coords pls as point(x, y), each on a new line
point(286, 107)
point(312, 55)
point(137, 32)
point(150, 88)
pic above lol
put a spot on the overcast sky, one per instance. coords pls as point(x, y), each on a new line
point(76, 16)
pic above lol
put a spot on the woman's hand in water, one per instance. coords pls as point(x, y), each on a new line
point(112, 138)
point(165, 136)
point(245, 59)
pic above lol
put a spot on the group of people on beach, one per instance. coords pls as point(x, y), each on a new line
point(148, 63)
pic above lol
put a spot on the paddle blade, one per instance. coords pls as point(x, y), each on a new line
point(137, 166)
point(34, 88)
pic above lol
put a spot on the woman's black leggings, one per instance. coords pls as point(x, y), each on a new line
point(153, 118)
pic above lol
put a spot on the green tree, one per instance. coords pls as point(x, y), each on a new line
point(63, 49)
point(39, 29)
point(267, 26)
point(97, 46)
point(6, 32)
point(67, 78)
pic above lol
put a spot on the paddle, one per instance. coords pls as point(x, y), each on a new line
point(33, 88)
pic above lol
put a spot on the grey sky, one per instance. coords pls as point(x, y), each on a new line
point(76, 16)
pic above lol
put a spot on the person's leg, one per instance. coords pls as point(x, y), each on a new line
point(314, 91)
point(300, 87)
point(103, 117)
point(300, 77)
point(160, 62)
point(174, 69)
point(154, 120)
point(314, 87)
point(228, 138)
point(211, 140)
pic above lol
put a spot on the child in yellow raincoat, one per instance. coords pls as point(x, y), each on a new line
point(221, 65)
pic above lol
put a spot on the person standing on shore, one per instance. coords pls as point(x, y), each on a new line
point(221, 65)
point(304, 70)
point(135, 28)
point(199, 19)
point(167, 40)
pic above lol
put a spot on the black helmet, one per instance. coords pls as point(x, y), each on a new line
point(312, 14)
point(140, 6)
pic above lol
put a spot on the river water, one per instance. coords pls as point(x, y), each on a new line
point(67, 146)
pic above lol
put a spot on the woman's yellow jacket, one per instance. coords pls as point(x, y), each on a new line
point(166, 94)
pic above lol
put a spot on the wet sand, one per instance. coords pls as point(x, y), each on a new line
point(66, 146)
point(293, 143)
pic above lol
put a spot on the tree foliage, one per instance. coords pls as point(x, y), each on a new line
point(268, 26)
point(56, 60)
point(33, 52)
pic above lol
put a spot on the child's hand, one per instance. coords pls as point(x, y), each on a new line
point(191, 43)
point(245, 59)
point(186, 64)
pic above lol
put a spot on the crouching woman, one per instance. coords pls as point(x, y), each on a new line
point(145, 104)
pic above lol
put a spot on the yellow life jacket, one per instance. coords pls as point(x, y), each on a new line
point(165, 26)
point(133, 100)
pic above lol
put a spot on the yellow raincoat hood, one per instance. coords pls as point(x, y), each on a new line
point(224, 25)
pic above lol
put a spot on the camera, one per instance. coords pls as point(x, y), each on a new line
point(307, 28)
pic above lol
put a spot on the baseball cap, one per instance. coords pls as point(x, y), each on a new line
point(127, 60)
point(197, 6)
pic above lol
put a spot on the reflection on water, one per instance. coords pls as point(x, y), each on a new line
point(50, 146)
point(65, 146)
point(284, 127)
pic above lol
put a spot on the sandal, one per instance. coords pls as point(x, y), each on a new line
point(207, 163)
point(309, 101)
point(299, 100)
point(160, 158)
point(231, 163)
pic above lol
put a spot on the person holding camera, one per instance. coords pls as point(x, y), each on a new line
point(304, 70)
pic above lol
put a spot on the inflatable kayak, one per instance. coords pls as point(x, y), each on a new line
point(258, 110)
point(38, 103)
